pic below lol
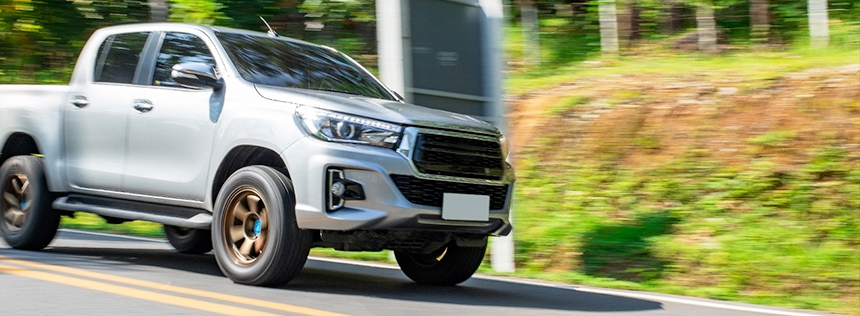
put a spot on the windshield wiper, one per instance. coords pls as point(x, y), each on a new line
point(336, 90)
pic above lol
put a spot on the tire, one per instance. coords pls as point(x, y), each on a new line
point(448, 266)
point(189, 240)
point(28, 220)
point(254, 231)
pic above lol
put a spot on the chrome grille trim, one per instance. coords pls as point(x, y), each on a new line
point(409, 146)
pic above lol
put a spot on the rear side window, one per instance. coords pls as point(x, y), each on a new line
point(118, 57)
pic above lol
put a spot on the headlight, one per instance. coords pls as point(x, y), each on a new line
point(506, 147)
point(336, 127)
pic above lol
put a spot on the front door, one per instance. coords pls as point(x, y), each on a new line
point(171, 128)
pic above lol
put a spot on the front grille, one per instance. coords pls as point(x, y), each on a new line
point(458, 157)
point(429, 192)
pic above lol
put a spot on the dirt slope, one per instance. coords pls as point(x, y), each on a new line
point(641, 119)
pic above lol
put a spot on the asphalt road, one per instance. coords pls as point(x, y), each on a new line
point(87, 274)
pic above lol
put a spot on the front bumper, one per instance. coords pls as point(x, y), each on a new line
point(385, 206)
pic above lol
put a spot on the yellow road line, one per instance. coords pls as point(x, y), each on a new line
point(131, 292)
point(175, 289)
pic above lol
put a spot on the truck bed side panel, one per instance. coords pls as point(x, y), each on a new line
point(35, 110)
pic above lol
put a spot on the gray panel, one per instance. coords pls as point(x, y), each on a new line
point(446, 52)
point(468, 107)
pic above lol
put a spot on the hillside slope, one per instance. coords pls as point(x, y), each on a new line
point(726, 187)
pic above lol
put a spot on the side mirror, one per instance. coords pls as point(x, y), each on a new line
point(196, 75)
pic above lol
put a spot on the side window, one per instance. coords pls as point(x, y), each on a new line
point(118, 56)
point(179, 48)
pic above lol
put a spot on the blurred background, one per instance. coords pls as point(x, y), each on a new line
point(698, 147)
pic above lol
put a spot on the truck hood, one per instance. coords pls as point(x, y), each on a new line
point(384, 110)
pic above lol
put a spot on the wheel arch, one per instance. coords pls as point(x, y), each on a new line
point(19, 143)
point(243, 156)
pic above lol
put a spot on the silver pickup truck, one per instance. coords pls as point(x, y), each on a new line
point(255, 146)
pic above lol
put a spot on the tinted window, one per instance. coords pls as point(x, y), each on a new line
point(283, 63)
point(179, 48)
point(118, 56)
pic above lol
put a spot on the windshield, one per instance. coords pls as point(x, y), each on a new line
point(282, 63)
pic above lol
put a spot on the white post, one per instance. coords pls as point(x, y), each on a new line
point(390, 31)
point(394, 36)
point(531, 34)
point(818, 29)
point(608, 26)
point(157, 10)
point(501, 248)
point(706, 28)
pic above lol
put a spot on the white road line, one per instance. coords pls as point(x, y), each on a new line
point(631, 294)
point(664, 298)
point(679, 300)
point(136, 238)
point(356, 263)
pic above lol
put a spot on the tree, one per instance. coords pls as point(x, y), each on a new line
point(39, 39)
point(759, 24)
point(671, 15)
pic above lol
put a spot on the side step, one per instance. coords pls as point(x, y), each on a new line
point(165, 214)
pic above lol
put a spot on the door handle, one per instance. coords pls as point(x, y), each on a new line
point(142, 105)
point(80, 101)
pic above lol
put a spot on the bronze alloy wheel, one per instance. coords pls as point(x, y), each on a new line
point(246, 226)
point(254, 231)
point(16, 202)
point(28, 220)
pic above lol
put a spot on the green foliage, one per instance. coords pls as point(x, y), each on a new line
point(40, 39)
point(207, 12)
point(378, 256)
point(755, 234)
point(338, 10)
point(568, 103)
point(773, 139)
point(623, 251)
point(90, 221)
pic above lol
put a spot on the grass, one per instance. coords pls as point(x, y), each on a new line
point(89, 221)
point(752, 66)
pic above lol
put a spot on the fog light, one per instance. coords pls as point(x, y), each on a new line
point(338, 189)
point(342, 190)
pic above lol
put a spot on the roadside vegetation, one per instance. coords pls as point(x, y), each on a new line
point(732, 175)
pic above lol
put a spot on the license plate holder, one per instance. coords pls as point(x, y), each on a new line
point(465, 207)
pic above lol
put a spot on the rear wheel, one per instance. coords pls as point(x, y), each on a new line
point(254, 229)
point(447, 266)
point(29, 222)
point(189, 240)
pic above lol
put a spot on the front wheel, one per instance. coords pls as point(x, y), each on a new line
point(254, 230)
point(450, 265)
point(29, 222)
